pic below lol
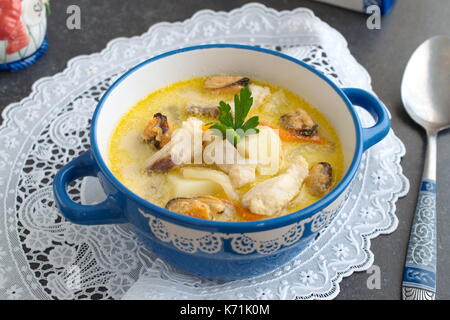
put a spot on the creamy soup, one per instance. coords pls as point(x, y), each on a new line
point(168, 150)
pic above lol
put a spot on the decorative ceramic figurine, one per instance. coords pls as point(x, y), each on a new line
point(23, 26)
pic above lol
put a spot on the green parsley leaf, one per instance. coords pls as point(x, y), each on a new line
point(251, 123)
point(236, 128)
point(242, 104)
point(225, 116)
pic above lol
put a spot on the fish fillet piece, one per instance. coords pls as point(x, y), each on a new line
point(228, 159)
point(185, 147)
point(272, 195)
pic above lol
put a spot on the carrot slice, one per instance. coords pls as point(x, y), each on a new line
point(205, 127)
point(246, 214)
point(290, 136)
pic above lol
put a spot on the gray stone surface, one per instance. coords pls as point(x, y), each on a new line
point(384, 53)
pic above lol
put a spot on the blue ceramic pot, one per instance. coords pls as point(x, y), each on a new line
point(220, 250)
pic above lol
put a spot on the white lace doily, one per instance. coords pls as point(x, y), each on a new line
point(40, 252)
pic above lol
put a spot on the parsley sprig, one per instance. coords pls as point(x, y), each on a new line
point(235, 128)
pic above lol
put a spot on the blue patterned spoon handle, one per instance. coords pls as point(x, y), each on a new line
point(419, 275)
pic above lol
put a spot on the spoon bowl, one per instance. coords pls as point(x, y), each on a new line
point(426, 85)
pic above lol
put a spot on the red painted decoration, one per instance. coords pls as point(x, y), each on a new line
point(12, 27)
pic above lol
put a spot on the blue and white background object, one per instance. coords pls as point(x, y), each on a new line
point(362, 5)
point(28, 29)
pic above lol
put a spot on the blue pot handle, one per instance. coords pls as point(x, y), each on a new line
point(106, 212)
point(376, 108)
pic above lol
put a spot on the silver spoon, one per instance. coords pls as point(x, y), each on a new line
point(426, 97)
